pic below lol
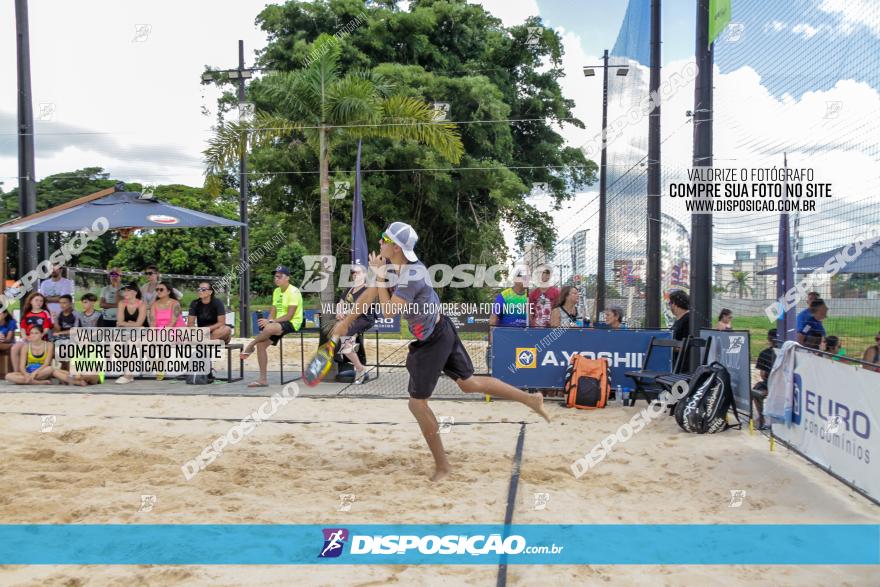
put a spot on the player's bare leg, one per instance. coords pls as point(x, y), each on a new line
point(497, 388)
point(431, 432)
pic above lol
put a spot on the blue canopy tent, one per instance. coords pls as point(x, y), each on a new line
point(867, 262)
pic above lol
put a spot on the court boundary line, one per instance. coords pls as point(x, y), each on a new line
point(511, 500)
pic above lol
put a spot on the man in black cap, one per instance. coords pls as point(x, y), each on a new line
point(285, 316)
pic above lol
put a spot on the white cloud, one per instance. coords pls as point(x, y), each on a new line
point(855, 12)
point(804, 29)
point(776, 25)
point(511, 13)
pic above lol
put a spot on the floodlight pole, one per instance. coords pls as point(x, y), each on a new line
point(27, 198)
point(701, 224)
point(652, 278)
point(245, 281)
point(603, 212)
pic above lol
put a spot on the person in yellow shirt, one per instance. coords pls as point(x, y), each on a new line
point(285, 316)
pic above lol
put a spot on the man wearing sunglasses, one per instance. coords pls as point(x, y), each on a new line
point(437, 346)
point(110, 297)
point(285, 316)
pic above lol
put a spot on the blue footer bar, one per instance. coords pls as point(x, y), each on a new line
point(482, 544)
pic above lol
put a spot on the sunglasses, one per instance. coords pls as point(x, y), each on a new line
point(386, 239)
point(149, 273)
point(204, 289)
point(161, 289)
point(114, 274)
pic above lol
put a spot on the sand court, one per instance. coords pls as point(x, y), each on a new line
point(343, 460)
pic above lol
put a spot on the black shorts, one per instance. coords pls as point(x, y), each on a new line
point(442, 351)
point(360, 325)
point(286, 328)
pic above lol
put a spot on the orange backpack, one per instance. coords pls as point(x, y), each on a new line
point(586, 383)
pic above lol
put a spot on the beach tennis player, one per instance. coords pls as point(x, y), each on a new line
point(361, 323)
point(437, 346)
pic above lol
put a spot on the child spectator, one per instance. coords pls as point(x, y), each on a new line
point(89, 317)
point(34, 365)
point(35, 314)
point(66, 319)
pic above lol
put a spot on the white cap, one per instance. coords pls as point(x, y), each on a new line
point(405, 237)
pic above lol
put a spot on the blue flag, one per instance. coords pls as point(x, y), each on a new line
point(359, 251)
point(785, 276)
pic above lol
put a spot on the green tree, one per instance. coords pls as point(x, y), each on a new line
point(326, 107)
point(503, 94)
point(740, 283)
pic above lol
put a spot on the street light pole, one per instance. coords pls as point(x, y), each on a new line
point(27, 198)
point(603, 172)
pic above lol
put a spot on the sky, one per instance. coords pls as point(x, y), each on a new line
point(116, 85)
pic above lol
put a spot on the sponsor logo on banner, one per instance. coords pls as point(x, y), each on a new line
point(735, 344)
point(334, 540)
point(526, 358)
point(797, 395)
point(163, 219)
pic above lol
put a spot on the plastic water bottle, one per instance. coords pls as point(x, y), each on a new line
point(619, 395)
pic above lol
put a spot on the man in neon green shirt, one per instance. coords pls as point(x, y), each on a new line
point(285, 316)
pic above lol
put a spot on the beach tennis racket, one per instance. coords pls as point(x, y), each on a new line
point(319, 365)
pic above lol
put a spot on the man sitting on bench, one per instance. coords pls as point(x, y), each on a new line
point(285, 316)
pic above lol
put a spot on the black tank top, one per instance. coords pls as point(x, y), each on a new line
point(128, 317)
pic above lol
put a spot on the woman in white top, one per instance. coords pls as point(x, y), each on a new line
point(564, 313)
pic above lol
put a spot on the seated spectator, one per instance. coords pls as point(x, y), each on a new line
point(614, 318)
point(724, 320)
point(285, 317)
point(130, 313)
point(34, 365)
point(679, 305)
point(75, 377)
point(764, 365)
point(66, 319)
point(165, 311)
point(542, 300)
point(565, 312)
point(148, 290)
point(831, 345)
point(209, 312)
point(89, 317)
point(872, 355)
point(35, 314)
point(811, 333)
point(8, 325)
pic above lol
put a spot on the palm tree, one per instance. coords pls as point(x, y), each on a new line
point(325, 108)
point(740, 283)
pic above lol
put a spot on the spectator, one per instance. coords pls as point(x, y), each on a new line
point(165, 311)
point(614, 318)
point(811, 333)
point(804, 314)
point(679, 305)
point(724, 320)
point(34, 364)
point(8, 325)
point(66, 319)
point(131, 313)
point(208, 312)
point(542, 300)
point(55, 287)
point(764, 365)
point(35, 314)
point(511, 305)
point(365, 320)
point(831, 346)
point(148, 290)
point(285, 316)
point(89, 317)
point(110, 296)
point(872, 355)
point(565, 314)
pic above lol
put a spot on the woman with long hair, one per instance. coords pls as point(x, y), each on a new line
point(565, 313)
point(165, 311)
point(131, 313)
point(34, 313)
point(724, 319)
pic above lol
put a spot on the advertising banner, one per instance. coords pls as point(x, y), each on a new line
point(834, 419)
point(538, 357)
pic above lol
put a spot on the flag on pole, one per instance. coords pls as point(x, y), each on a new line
point(719, 17)
point(785, 323)
point(358, 233)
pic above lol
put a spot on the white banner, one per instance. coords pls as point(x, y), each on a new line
point(834, 419)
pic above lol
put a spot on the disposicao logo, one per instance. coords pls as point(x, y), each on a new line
point(334, 540)
point(162, 219)
point(526, 358)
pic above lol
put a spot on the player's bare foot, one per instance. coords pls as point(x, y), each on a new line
point(440, 473)
point(538, 406)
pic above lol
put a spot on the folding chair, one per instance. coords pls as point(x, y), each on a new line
point(646, 386)
point(668, 381)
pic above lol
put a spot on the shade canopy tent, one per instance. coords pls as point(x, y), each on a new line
point(867, 262)
point(123, 210)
